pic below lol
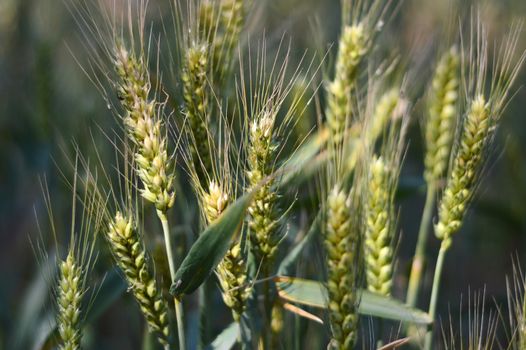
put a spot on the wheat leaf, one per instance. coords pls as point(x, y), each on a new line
point(226, 339)
point(210, 248)
point(313, 293)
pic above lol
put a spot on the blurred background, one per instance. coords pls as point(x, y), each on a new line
point(47, 103)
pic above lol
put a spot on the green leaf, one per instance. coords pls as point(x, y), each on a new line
point(33, 302)
point(313, 293)
point(210, 248)
point(226, 339)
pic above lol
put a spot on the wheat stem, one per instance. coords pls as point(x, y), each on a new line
point(179, 312)
point(417, 266)
point(444, 247)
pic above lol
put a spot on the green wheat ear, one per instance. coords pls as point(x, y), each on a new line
point(130, 256)
point(232, 269)
point(483, 113)
point(232, 17)
point(264, 225)
point(342, 245)
point(378, 228)
point(353, 46)
point(232, 273)
point(69, 301)
point(144, 128)
point(442, 115)
point(197, 108)
point(466, 166)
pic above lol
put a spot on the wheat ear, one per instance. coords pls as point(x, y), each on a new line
point(232, 270)
point(466, 166)
point(442, 115)
point(144, 128)
point(264, 226)
point(352, 49)
point(477, 133)
point(440, 120)
point(389, 107)
point(232, 17)
point(131, 258)
point(379, 227)
point(69, 303)
point(195, 93)
point(341, 243)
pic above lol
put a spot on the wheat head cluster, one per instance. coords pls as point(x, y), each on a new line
point(251, 200)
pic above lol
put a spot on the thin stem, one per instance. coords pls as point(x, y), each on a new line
point(417, 267)
point(170, 256)
point(267, 339)
point(444, 247)
point(180, 323)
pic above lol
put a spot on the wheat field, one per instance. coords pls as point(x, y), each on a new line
point(244, 174)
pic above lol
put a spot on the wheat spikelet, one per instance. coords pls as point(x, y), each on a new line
point(264, 226)
point(442, 116)
point(341, 245)
point(144, 129)
point(215, 201)
point(69, 302)
point(131, 258)
point(378, 228)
